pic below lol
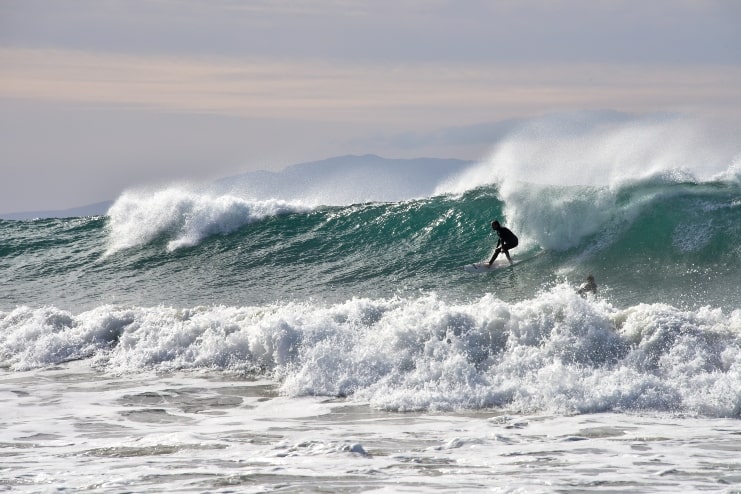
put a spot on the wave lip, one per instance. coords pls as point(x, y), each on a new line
point(185, 217)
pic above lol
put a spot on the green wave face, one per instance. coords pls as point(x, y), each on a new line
point(676, 243)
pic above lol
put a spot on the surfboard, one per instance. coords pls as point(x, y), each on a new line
point(483, 267)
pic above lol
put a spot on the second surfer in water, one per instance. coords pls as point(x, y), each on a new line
point(507, 241)
point(589, 286)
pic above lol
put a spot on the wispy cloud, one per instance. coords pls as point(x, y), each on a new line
point(131, 91)
point(417, 94)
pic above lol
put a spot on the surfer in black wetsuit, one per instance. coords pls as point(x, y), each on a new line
point(589, 286)
point(507, 241)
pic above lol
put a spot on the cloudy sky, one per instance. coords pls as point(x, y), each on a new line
point(100, 95)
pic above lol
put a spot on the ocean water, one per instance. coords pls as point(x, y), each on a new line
point(203, 340)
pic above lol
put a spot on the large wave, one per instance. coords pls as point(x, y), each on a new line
point(651, 240)
point(561, 178)
point(556, 218)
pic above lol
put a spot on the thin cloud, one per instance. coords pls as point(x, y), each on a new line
point(412, 94)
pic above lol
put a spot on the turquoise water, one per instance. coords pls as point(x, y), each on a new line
point(674, 243)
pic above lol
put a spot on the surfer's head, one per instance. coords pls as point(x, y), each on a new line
point(495, 225)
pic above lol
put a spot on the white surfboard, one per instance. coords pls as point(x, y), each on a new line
point(483, 267)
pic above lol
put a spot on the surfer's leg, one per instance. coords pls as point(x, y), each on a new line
point(494, 257)
point(506, 253)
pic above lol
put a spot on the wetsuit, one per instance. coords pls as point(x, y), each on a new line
point(507, 239)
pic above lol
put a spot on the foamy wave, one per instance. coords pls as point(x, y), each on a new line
point(557, 352)
point(561, 177)
point(186, 217)
point(733, 173)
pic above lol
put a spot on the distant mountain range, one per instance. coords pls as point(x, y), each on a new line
point(96, 209)
point(338, 180)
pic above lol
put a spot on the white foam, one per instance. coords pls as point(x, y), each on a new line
point(555, 352)
point(733, 173)
point(185, 216)
point(69, 429)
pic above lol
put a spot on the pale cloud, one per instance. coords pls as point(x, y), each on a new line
point(98, 95)
point(682, 32)
point(420, 95)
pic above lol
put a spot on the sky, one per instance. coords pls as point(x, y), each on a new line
point(98, 96)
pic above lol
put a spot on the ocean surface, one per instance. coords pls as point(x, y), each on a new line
point(211, 340)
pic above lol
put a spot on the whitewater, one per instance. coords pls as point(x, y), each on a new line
point(313, 330)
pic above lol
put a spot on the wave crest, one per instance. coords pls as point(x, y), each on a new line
point(185, 217)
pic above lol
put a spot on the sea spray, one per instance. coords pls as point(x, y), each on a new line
point(561, 177)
